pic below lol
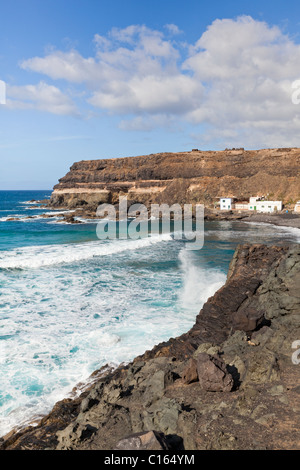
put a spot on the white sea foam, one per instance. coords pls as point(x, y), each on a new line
point(278, 229)
point(39, 256)
point(24, 217)
point(4, 219)
point(55, 213)
point(20, 217)
point(62, 323)
point(28, 202)
point(198, 283)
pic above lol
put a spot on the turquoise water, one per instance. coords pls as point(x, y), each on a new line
point(71, 303)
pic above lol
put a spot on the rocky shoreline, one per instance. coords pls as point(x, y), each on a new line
point(75, 216)
point(230, 382)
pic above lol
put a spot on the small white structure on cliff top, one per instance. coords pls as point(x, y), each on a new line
point(226, 203)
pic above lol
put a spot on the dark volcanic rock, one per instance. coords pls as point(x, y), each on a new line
point(70, 219)
point(190, 373)
point(213, 375)
point(148, 440)
point(249, 325)
point(251, 264)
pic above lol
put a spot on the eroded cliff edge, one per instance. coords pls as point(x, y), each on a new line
point(186, 177)
point(228, 383)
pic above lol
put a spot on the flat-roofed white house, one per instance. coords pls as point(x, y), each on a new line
point(226, 203)
point(255, 204)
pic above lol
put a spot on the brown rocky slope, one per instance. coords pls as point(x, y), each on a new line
point(228, 383)
point(186, 177)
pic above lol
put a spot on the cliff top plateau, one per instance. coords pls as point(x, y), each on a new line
point(183, 177)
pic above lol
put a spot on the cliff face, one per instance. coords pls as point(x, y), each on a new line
point(185, 177)
point(228, 383)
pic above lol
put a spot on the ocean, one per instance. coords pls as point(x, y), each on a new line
point(71, 303)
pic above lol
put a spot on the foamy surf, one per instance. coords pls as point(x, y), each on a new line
point(73, 305)
point(28, 202)
point(40, 256)
point(26, 218)
point(278, 229)
point(62, 323)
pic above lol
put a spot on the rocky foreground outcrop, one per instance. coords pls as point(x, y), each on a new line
point(231, 382)
point(183, 177)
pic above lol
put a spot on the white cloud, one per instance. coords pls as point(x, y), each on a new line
point(173, 29)
point(151, 94)
point(70, 66)
point(249, 68)
point(243, 48)
point(236, 80)
point(42, 97)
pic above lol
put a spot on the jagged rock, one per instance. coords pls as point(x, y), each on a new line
point(212, 374)
point(163, 415)
point(149, 440)
point(70, 219)
point(208, 348)
point(190, 373)
point(261, 336)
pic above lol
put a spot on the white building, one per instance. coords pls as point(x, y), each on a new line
point(297, 207)
point(226, 203)
point(255, 204)
point(253, 200)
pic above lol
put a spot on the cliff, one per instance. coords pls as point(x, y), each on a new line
point(228, 383)
point(187, 177)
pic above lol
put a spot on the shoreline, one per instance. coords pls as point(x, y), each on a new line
point(283, 219)
point(145, 394)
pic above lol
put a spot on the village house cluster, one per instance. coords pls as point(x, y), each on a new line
point(259, 204)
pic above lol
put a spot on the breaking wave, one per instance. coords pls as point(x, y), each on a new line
point(49, 255)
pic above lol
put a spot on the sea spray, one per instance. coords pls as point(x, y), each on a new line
point(198, 283)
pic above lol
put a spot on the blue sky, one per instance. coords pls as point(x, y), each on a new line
point(100, 79)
